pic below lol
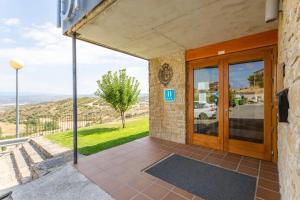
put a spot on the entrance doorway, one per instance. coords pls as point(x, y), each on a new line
point(230, 100)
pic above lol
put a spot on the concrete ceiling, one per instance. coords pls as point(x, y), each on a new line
point(153, 28)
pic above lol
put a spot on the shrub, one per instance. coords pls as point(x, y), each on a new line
point(52, 125)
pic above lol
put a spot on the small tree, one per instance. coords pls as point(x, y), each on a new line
point(119, 90)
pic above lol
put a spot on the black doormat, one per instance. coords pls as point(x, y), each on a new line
point(204, 180)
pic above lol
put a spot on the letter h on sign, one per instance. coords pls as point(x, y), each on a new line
point(169, 95)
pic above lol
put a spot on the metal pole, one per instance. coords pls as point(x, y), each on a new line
point(74, 98)
point(17, 103)
point(58, 23)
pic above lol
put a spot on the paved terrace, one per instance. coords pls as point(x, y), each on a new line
point(119, 171)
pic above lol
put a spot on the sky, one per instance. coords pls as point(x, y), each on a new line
point(28, 32)
point(238, 74)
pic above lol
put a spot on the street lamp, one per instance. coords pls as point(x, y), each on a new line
point(17, 65)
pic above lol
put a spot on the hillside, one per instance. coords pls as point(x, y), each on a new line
point(34, 117)
point(86, 106)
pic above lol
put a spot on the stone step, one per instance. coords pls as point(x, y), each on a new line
point(8, 177)
point(31, 154)
point(48, 148)
point(22, 168)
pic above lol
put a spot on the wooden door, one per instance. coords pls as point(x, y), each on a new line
point(229, 102)
point(247, 103)
point(206, 103)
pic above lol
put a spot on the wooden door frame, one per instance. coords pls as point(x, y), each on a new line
point(271, 123)
point(215, 142)
point(262, 151)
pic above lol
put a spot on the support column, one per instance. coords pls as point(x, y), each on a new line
point(74, 62)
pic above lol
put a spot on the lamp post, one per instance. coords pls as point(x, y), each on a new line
point(17, 65)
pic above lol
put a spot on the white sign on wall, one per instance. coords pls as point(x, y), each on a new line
point(203, 87)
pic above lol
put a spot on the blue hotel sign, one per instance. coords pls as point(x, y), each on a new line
point(169, 95)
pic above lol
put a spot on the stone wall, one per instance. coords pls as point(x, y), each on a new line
point(289, 134)
point(167, 120)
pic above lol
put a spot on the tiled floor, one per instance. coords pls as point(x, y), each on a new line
point(119, 171)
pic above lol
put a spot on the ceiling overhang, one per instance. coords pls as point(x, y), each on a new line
point(153, 28)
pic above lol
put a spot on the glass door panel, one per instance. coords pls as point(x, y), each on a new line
point(206, 98)
point(246, 101)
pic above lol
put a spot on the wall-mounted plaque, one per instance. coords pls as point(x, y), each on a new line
point(165, 74)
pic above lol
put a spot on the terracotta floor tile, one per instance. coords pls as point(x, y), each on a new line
point(248, 170)
point(119, 170)
point(197, 156)
point(141, 197)
point(212, 160)
point(183, 193)
point(120, 160)
point(253, 160)
point(219, 152)
point(184, 153)
point(139, 183)
point(267, 194)
point(269, 168)
point(148, 176)
point(229, 165)
point(126, 177)
point(268, 184)
point(268, 175)
point(110, 185)
point(254, 165)
point(97, 178)
point(217, 155)
point(173, 196)
point(232, 158)
point(164, 184)
point(124, 193)
point(82, 165)
point(267, 163)
point(156, 191)
point(194, 149)
point(116, 170)
point(106, 165)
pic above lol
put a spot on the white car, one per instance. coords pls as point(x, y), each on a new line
point(204, 110)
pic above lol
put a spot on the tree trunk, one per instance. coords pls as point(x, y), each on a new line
point(123, 119)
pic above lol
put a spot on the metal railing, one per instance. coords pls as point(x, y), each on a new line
point(37, 125)
point(46, 124)
point(41, 125)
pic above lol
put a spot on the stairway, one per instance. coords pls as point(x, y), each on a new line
point(7, 174)
point(22, 163)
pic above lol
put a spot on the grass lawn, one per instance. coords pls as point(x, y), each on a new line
point(97, 138)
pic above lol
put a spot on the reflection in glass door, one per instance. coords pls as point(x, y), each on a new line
point(246, 101)
point(206, 95)
point(229, 103)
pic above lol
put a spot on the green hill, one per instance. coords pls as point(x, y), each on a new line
point(87, 106)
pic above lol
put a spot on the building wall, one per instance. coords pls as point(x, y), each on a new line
point(289, 134)
point(167, 120)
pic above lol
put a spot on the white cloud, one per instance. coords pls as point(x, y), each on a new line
point(7, 40)
point(49, 46)
point(44, 49)
point(10, 21)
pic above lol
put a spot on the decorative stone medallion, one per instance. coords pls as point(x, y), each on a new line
point(165, 74)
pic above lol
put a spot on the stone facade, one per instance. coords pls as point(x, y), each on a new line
point(167, 120)
point(289, 133)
